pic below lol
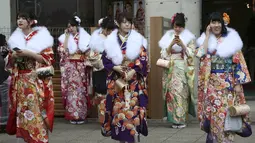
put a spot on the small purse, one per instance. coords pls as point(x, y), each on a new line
point(163, 63)
point(45, 72)
point(239, 110)
point(233, 124)
point(120, 83)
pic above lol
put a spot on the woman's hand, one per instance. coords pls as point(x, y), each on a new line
point(171, 45)
point(180, 43)
point(238, 89)
point(24, 53)
point(208, 31)
point(118, 69)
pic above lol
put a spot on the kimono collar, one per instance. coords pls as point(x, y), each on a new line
point(134, 44)
point(96, 42)
point(186, 36)
point(83, 41)
point(38, 40)
point(230, 44)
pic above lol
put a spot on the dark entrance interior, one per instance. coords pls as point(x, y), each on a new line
point(241, 15)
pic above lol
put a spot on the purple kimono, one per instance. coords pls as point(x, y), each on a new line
point(125, 119)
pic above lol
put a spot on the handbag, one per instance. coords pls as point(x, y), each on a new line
point(163, 63)
point(239, 110)
point(233, 124)
point(45, 72)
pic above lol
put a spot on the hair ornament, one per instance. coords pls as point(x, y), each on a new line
point(173, 18)
point(77, 19)
point(226, 18)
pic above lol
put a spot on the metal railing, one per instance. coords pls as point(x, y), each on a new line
point(55, 32)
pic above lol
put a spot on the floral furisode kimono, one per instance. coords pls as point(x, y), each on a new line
point(96, 46)
point(75, 75)
point(31, 97)
point(221, 69)
point(125, 115)
point(178, 80)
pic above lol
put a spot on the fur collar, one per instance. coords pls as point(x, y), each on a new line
point(186, 36)
point(83, 43)
point(40, 41)
point(228, 47)
point(113, 50)
point(97, 42)
point(145, 43)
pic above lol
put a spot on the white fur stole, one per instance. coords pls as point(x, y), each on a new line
point(227, 48)
point(113, 49)
point(186, 36)
point(39, 42)
point(83, 42)
point(97, 42)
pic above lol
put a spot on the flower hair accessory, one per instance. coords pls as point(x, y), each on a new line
point(226, 18)
point(173, 18)
point(77, 19)
point(35, 21)
point(100, 21)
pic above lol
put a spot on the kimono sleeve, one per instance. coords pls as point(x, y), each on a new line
point(241, 73)
point(200, 52)
point(108, 65)
point(48, 56)
point(141, 62)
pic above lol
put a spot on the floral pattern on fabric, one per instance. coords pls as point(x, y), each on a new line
point(217, 78)
point(124, 118)
point(75, 81)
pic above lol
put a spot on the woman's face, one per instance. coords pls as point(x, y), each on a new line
point(216, 27)
point(125, 26)
point(178, 29)
point(23, 23)
point(72, 29)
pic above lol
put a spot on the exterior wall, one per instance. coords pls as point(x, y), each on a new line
point(5, 13)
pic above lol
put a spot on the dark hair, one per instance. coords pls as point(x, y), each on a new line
point(128, 3)
point(73, 21)
point(135, 22)
point(118, 4)
point(2, 40)
point(108, 23)
point(179, 20)
point(140, 2)
point(123, 16)
point(216, 16)
point(28, 16)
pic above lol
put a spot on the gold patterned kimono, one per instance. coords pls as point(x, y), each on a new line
point(31, 97)
point(178, 80)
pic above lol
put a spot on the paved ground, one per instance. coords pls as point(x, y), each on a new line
point(159, 132)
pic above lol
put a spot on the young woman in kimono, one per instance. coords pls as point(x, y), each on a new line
point(96, 46)
point(125, 61)
point(75, 73)
point(222, 72)
point(31, 97)
point(178, 46)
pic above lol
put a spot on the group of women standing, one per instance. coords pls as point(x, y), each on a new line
point(117, 55)
point(222, 71)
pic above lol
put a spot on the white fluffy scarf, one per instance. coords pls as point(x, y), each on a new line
point(40, 41)
point(113, 49)
point(186, 36)
point(97, 42)
point(83, 42)
point(227, 48)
